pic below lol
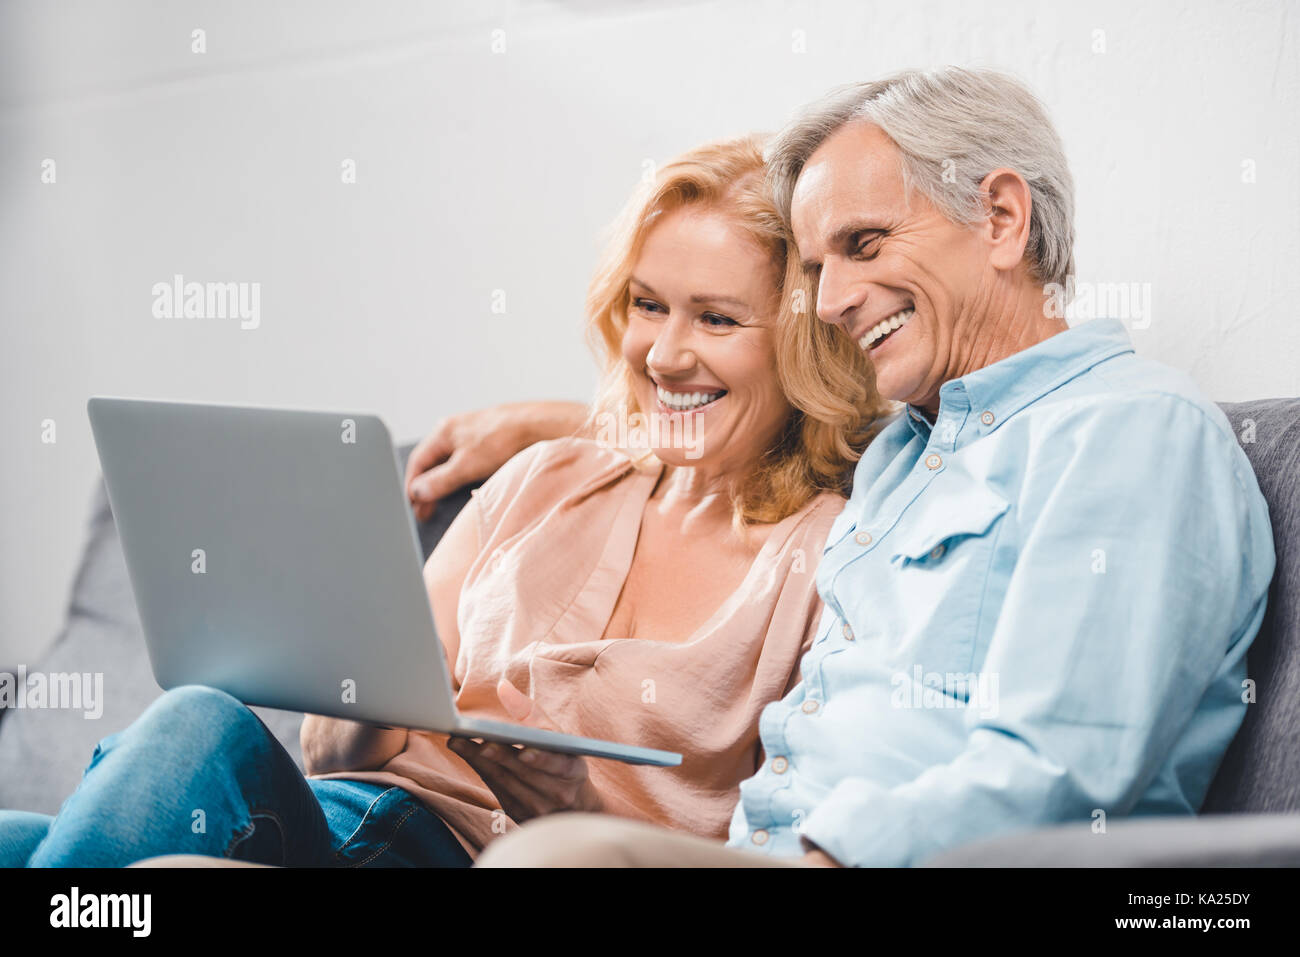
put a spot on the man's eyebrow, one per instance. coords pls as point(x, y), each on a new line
point(842, 235)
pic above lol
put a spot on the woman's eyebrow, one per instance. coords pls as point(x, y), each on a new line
point(727, 299)
point(698, 298)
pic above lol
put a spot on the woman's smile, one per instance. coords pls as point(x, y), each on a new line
point(686, 400)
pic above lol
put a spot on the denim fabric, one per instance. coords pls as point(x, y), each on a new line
point(198, 773)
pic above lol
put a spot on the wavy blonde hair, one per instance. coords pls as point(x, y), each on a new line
point(827, 380)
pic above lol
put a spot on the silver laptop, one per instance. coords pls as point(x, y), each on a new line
point(273, 555)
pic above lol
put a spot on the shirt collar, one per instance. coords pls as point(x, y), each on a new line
point(998, 391)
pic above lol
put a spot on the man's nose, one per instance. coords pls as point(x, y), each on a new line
point(671, 353)
point(838, 294)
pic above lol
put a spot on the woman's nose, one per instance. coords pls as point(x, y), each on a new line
point(671, 352)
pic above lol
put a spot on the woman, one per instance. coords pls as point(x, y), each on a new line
point(652, 585)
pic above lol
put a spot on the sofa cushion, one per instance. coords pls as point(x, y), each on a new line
point(1219, 840)
point(43, 752)
point(1261, 770)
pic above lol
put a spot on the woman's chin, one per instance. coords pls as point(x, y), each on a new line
point(676, 436)
point(679, 457)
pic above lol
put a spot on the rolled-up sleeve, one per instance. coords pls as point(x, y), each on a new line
point(1141, 581)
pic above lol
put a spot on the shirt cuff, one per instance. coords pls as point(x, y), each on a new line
point(859, 826)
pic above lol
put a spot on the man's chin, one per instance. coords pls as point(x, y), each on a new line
point(893, 388)
point(896, 379)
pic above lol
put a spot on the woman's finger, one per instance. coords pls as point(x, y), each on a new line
point(562, 786)
point(567, 767)
point(518, 799)
point(560, 790)
point(555, 793)
point(523, 709)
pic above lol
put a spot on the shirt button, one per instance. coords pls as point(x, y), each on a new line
point(936, 552)
point(986, 417)
point(779, 765)
point(759, 837)
point(933, 461)
point(862, 538)
point(848, 632)
point(810, 706)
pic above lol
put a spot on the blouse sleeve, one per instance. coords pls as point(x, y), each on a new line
point(493, 497)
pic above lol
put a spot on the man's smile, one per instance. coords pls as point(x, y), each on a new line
point(878, 333)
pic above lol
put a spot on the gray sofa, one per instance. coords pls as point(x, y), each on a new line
point(1250, 816)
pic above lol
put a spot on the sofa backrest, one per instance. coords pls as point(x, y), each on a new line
point(1261, 771)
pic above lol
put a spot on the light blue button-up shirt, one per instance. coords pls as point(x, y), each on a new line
point(1037, 611)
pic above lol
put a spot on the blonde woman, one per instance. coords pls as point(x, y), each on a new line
point(653, 583)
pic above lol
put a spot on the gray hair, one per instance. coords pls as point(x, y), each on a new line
point(953, 127)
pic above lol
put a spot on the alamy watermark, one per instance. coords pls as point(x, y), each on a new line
point(977, 691)
point(1130, 301)
point(58, 690)
point(76, 909)
point(655, 431)
point(179, 299)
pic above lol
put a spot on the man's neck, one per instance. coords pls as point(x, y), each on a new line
point(1007, 329)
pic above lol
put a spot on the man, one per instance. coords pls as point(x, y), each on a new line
point(1040, 595)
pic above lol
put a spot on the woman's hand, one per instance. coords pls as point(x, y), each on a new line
point(529, 782)
point(338, 744)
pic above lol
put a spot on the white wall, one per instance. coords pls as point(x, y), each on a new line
point(480, 171)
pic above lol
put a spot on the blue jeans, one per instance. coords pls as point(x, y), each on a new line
point(199, 773)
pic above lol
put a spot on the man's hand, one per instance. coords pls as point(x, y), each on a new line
point(816, 857)
point(529, 782)
point(470, 446)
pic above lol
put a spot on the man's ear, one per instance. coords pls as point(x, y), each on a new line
point(1007, 204)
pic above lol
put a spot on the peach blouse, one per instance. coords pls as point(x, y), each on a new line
point(558, 526)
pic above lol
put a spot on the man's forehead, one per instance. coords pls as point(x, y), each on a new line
point(855, 173)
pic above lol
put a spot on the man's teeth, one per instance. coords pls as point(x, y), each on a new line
point(884, 328)
point(687, 401)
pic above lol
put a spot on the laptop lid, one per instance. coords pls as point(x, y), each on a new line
point(273, 555)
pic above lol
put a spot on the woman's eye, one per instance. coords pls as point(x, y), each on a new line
point(647, 305)
point(713, 319)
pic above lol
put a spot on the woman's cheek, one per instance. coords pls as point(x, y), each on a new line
point(636, 345)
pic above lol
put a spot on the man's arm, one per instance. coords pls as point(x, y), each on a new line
point(470, 446)
point(1145, 561)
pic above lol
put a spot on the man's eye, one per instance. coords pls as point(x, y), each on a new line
point(868, 245)
point(713, 319)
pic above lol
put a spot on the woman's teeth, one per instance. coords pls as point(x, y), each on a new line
point(688, 401)
point(882, 329)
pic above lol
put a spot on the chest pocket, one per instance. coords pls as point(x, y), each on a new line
point(921, 597)
point(969, 513)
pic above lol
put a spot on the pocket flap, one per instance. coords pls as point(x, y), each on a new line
point(968, 512)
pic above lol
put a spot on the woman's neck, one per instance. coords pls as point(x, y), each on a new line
point(696, 495)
